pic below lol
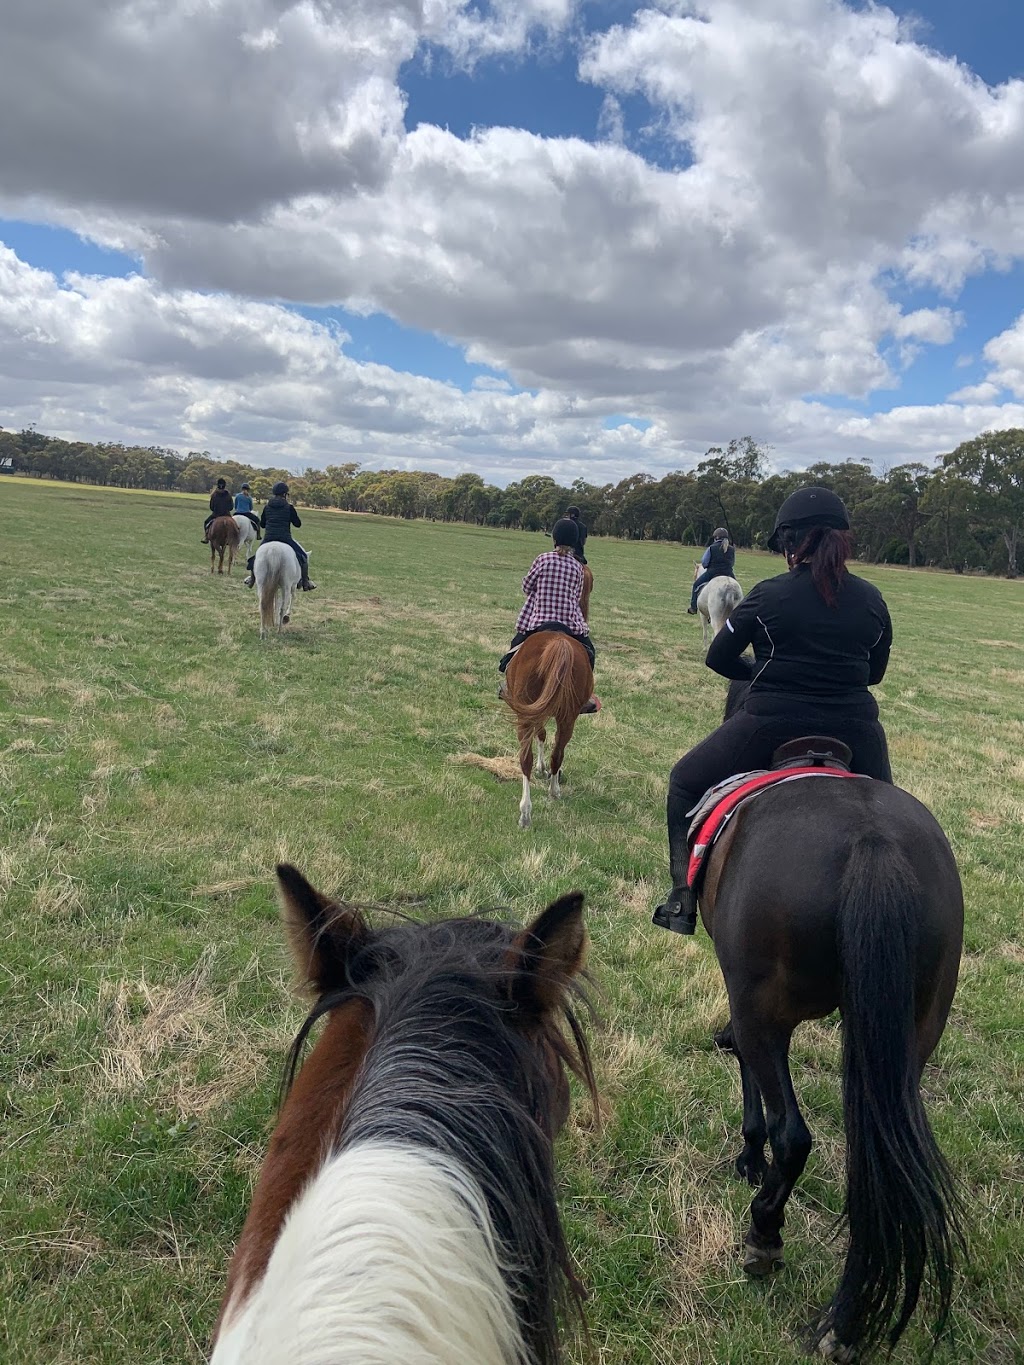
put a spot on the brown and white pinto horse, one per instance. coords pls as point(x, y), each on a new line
point(223, 535)
point(406, 1209)
point(550, 677)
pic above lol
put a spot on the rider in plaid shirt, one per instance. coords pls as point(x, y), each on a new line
point(552, 589)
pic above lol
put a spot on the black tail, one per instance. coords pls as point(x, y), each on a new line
point(902, 1211)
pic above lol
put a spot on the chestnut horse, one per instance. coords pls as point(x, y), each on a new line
point(585, 591)
point(550, 677)
point(223, 535)
point(406, 1209)
point(823, 895)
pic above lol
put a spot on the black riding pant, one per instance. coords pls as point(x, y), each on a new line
point(748, 740)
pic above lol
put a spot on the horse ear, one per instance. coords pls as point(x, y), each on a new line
point(324, 936)
point(549, 953)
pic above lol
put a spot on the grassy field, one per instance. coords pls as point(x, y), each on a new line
point(155, 762)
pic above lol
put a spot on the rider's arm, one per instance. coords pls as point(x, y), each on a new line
point(705, 559)
point(263, 518)
point(878, 658)
point(726, 653)
point(294, 516)
point(530, 581)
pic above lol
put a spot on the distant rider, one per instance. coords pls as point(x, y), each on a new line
point(573, 513)
point(221, 505)
point(821, 637)
point(552, 589)
point(718, 560)
point(243, 507)
point(277, 519)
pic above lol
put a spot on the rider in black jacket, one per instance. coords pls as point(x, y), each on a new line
point(573, 513)
point(277, 518)
point(719, 561)
point(820, 639)
point(222, 504)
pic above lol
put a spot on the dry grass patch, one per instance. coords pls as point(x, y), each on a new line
point(505, 769)
point(162, 1035)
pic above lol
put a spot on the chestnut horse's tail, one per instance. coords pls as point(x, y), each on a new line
point(902, 1210)
point(565, 684)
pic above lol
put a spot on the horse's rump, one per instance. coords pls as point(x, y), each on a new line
point(550, 676)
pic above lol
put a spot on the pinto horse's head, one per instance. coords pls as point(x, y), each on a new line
point(454, 1039)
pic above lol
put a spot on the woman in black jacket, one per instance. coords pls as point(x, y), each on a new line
point(820, 638)
point(222, 504)
point(277, 519)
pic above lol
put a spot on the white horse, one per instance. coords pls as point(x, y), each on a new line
point(716, 602)
point(246, 533)
point(277, 575)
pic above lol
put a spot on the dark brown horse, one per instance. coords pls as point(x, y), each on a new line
point(550, 677)
point(825, 895)
point(223, 535)
point(406, 1209)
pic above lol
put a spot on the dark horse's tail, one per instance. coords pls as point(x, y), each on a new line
point(902, 1210)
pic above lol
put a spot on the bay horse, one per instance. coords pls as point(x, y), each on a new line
point(277, 574)
point(223, 535)
point(825, 894)
point(550, 677)
point(406, 1208)
point(716, 602)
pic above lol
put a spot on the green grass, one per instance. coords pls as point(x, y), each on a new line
point(156, 760)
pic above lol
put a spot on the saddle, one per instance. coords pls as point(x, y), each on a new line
point(810, 756)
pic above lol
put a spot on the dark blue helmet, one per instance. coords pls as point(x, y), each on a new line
point(280, 490)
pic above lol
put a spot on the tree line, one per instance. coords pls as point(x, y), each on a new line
point(965, 513)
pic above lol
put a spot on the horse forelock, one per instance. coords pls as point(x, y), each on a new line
point(451, 1067)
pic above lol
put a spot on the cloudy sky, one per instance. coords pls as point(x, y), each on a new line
point(579, 237)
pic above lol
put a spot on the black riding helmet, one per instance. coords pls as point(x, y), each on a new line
point(806, 508)
point(720, 534)
point(564, 532)
point(280, 490)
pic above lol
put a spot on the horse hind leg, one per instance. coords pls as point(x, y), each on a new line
point(564, 728)
point(541, 769)
point(764, 1055)
point(526, 736)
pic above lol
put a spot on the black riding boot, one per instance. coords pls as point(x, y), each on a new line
point(678, 912)
point(250, 577)
point(304, 583)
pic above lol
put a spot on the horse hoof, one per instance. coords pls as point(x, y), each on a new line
point(524, 821)
point(285, 620)
point(758, 1262)
point(833, 1349)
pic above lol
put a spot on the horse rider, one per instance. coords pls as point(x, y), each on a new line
point(277, 519)
point(573, 513)
point(821, 637)
point(552, 589)
point(243, 507)
point(222, 504)
point(718, 561)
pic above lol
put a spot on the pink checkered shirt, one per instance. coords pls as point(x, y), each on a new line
point(552, 589)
